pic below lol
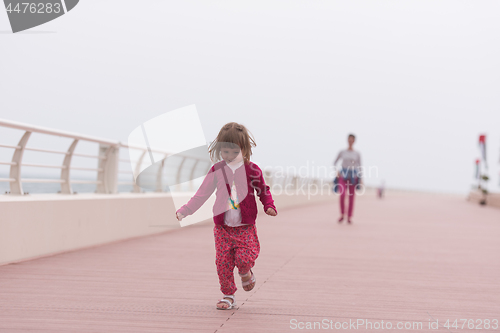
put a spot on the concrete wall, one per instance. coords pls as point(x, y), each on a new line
point(34, 226)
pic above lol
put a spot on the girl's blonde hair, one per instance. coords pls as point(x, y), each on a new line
point(232, 135)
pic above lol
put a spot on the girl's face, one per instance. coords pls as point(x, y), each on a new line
point(231, 155)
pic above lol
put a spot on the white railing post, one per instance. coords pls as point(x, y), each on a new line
point(101, 186)
point(159, 176)
point(191, 183)
point(108, 174)
point(65, 172)
point(16, 187)
point(178, 178)
point(137, 188)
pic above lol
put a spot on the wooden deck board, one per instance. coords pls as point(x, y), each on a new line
point(408, 257)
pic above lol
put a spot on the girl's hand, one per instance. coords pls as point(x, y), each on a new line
point(271, 212)
point(179, 216)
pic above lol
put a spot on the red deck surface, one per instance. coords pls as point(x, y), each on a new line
point(407, 258)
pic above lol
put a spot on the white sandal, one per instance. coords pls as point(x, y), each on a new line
point(230, 305)
point(250, 281)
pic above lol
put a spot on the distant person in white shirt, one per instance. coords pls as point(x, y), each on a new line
point(349, 176)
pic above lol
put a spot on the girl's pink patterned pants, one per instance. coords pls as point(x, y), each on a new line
point(234, 246)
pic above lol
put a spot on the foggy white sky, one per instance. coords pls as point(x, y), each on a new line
point(416, 81)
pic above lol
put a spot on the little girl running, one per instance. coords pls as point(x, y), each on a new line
point(235, 208)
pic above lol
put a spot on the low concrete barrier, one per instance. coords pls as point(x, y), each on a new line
point(45, 224)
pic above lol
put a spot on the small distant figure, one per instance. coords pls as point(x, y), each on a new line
point(349, 177)
point(380, 190)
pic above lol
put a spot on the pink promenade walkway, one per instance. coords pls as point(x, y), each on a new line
point(407, 259)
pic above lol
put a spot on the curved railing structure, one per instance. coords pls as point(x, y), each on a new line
point(108, 164)
point(15, 175)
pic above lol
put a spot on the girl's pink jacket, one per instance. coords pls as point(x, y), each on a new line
point(247, 179)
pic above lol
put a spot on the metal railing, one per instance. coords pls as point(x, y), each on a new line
point(108, 164)
point(107, 169)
